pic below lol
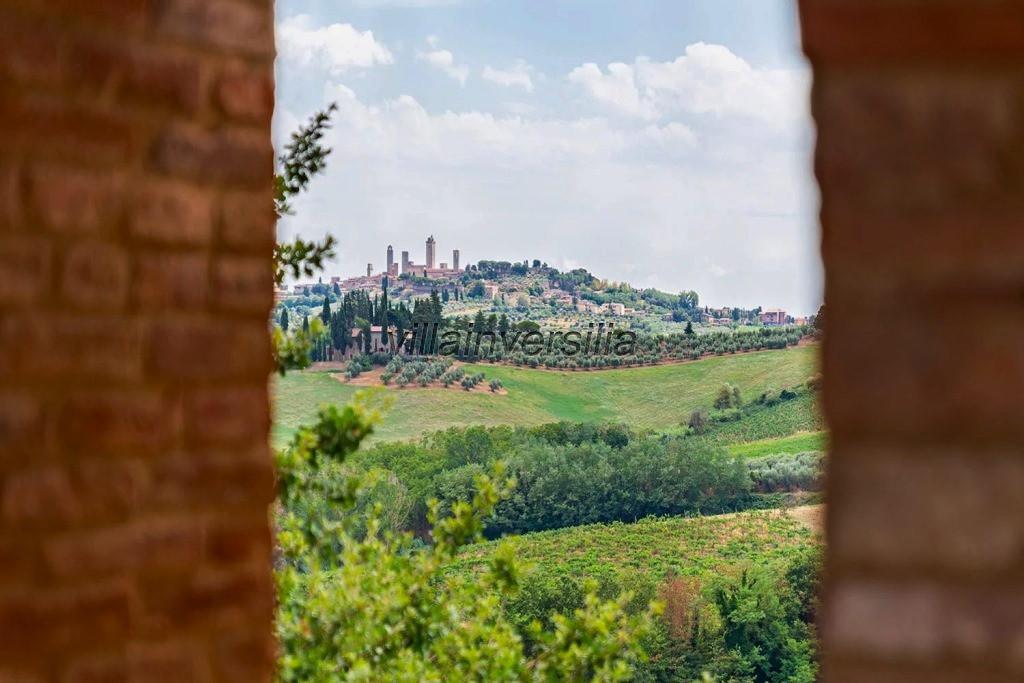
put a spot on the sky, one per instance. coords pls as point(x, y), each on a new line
point(664, 143)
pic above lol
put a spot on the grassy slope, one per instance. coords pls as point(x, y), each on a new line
point(655, 397)
point(689, 546)
point(795, 443)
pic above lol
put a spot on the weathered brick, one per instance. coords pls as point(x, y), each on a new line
point(10, 198)
point(244, 283)
point(74, 200)
point(884, 258)
point(236, 479)
point(24, 269)
point(99, 347)
point(172, 213)
point(21, 420)
point(140, 545)
point(125, 123)
point(229, 598)
point(94, 612)
point(32, 496)
point(95, 275)
point(193, 349)
point(90, 491)
point(248, 221)
point(142, 421)
point(229, 157)
point(229, 25)
point(138, 73)
point(244, 657)
point(881, 31)
point(140, 662)
point(175, 280)
point(88, 135)
point(120, 14)
point(906, 370)
point(246, 94)
point(896, 502)
point(232, 542)
point(925, 620)
point(228, 415)
point(949, 141)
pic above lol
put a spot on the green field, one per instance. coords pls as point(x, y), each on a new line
point(685, 546)
point(795, 443)
point(655, 397)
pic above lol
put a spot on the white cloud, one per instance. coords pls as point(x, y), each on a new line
point(690, 201)
point(444, 60)
point(517, 75)
point(335, 47)
point(705, 80)
point(616, 88)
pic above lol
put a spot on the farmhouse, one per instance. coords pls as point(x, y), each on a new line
point(380, 341)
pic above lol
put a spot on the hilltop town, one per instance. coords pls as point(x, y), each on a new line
point(527, 290)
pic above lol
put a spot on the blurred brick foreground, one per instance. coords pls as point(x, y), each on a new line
point(920, 158)
point(136, 230)
point(135, 236)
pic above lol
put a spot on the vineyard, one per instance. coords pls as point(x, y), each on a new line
point(658, 547)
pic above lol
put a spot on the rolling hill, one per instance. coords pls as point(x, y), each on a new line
point(654, 397)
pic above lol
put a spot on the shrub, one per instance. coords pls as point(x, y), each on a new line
point(788, 472)
point(698, 421)
point(383, 608)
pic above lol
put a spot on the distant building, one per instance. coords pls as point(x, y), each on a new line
point(380, 341)
point(773, 316)
point(491, 291)
point(616, 309)
point(431, 247)
point(391, 259)
point(405, 261)
point(455, 259)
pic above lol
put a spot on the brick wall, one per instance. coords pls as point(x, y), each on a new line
point(135, 238)
point(920, 115)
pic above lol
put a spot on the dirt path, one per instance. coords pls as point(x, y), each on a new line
point(810, 516)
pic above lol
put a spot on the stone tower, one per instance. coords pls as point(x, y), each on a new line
point(431, 247)
point(391, 259)
point(369, 269)
point(405, 262)
point(455, 259)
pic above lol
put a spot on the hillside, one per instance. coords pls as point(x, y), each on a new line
point(684, 546)
point(655, 397)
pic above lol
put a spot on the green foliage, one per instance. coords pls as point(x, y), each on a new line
point(301, 258)
point(292, 351)
point(376, 606)
point(304, 157)
point(788, 472)
point(728, 397)
point(770, 420)
point(568, 474)
point(738, 591)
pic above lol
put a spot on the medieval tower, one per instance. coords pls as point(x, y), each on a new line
point(431, 246)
